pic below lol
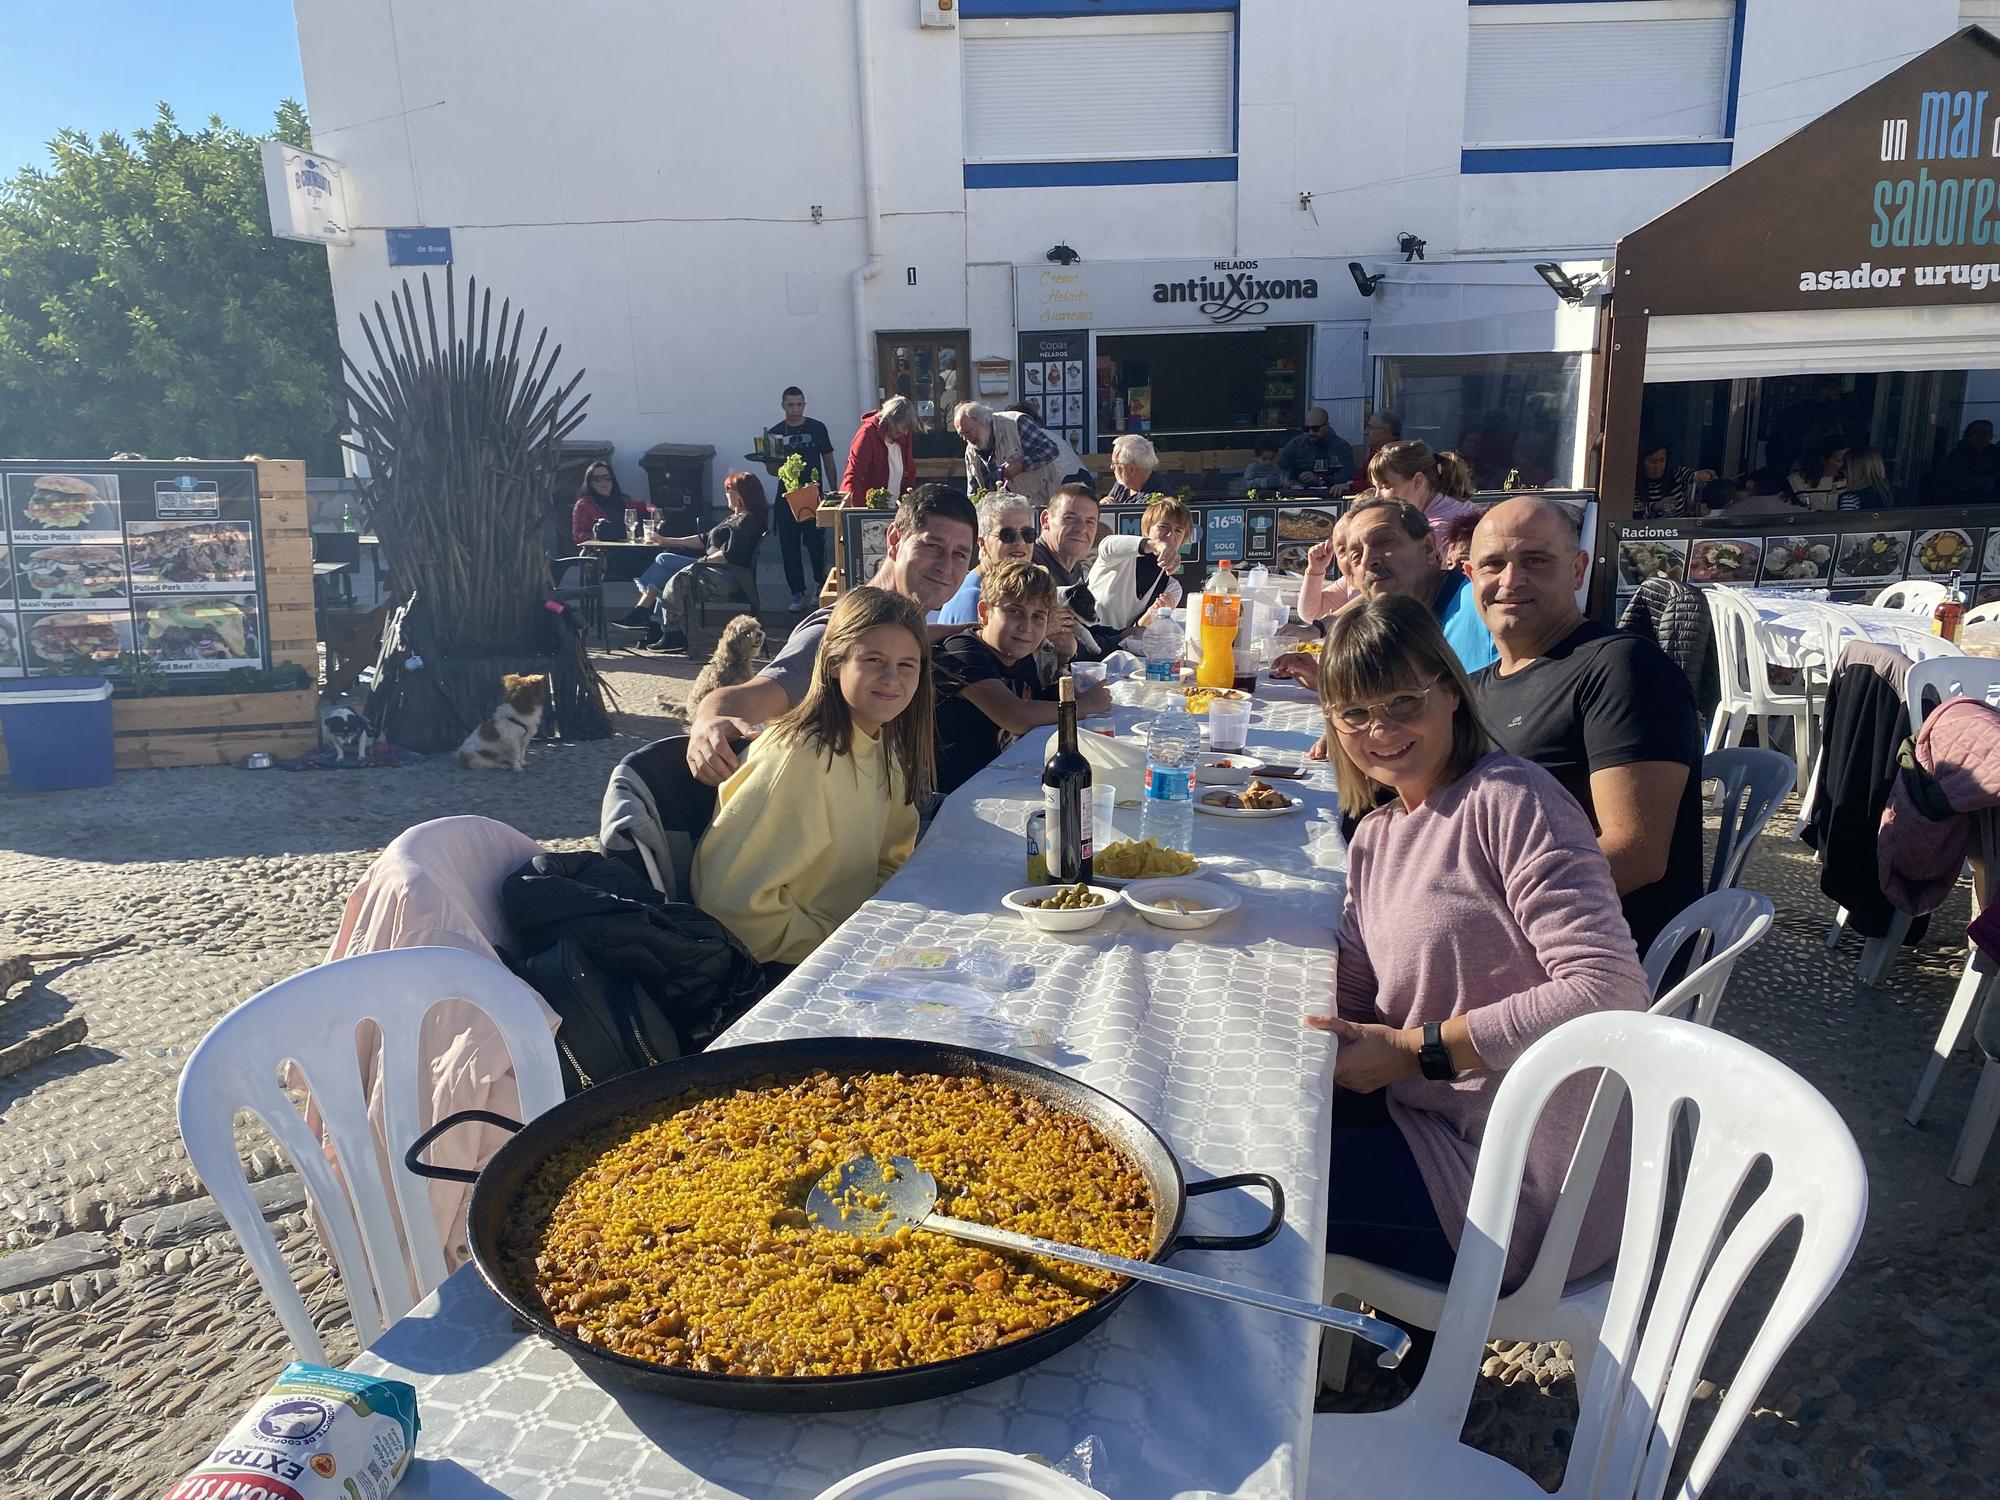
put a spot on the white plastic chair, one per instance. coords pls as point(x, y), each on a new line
point(1743, 652)
point(1918, 596)
point(310, 1020)
point(1753, 782)
point(1917, 643)
point(1984, 1115)
point(1652, 1344)
point(1978, 978)
point(1982, 614)
point(1548, 1305)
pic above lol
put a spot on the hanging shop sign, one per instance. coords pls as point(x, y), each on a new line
point(307, 195)
point(1182, 294)
point(160, 564)
point(1889, 200)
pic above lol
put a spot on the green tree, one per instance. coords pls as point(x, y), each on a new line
point(145, 304)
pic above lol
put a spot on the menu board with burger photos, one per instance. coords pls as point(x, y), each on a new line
point(98, 560)
point(1851, 556)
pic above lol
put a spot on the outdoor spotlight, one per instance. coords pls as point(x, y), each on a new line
point(1062, 255)
point(1572, 289)
point(1411, 246)
point(1363, 282)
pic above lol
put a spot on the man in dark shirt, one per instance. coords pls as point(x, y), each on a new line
point(1606, 713)
point(1318, 458)
point(808, 436)
point(989, 690)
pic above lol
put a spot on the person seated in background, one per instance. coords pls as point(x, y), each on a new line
point(1318, 458)
point(599, 501)
point(1393, 551)
point(1865, 482)
point(930, 546)
point(1606, 712)
point(1133, 463)
point(1263, 472)
point(824, 807)
point(1666, 491)
point(1438, 484)
point(1318, 595)
point(989, 690)
point(1006, 534)
point(1134, 573)
point(1010, 450)
point(1757, 493)
point(1479, 915)
point(1069, 532)
point(1380, 430)
point(668, 591)
point(1817, 479)
point(1970, 474)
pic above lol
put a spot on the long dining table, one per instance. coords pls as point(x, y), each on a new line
point(1200, 1032)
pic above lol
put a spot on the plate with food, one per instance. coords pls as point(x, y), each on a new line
point(1876, 554)
point(1638, 561)
point(1719, 560)
point(1061, 908)
point(1257, 800)
point(73, 573)
point(1304, 524)
point(191, 629)
point(75, 641)
point(1798, 559)
point(58, 503)
point(1294, 558)
point(1943, 552)
point(1182, 904)
point(1125, 860)
point(1198, 698)
point(166, 553)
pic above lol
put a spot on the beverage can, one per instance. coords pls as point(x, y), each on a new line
point(1038, 859)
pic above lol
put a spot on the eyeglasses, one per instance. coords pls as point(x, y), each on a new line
point(1012, 534)
point(1399, 709)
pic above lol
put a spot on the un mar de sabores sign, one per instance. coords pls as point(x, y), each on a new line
point(1178, 294)
point(1889, 200)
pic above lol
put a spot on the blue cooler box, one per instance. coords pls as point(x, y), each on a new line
point(58, 732)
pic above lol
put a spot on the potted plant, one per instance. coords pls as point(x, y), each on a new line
point(800, 493)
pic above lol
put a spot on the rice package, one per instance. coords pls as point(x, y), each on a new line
point(318, 1434)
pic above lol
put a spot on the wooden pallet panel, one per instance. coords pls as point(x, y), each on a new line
point(212, 711)
point(165, 751)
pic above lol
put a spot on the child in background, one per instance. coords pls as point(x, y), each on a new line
point(1264, 474)
point(990, 691)
point(824, 807)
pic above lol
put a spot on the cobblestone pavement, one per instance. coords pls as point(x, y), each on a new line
point(228, 880)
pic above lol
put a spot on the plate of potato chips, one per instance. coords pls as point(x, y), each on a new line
point(1125, 860)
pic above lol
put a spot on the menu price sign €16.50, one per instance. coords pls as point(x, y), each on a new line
point(155, 558)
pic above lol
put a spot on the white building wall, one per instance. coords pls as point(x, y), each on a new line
point(640, 175)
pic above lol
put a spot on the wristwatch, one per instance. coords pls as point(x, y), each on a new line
point(1434, 1057)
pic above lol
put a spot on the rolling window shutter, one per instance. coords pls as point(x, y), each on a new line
point(1098, 88)
point(1636, 72)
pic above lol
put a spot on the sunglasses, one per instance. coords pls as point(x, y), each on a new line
point(1013, 534)
point(1399, 709)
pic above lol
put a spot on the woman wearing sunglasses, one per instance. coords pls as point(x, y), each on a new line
point(1006, 534)
point(1479, 915)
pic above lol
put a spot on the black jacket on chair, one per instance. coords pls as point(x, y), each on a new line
point(1864, 722)
point(1675, 618)
point(636, 978)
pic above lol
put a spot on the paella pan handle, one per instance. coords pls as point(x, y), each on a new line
point(1263, 1236)
point(452, 1122)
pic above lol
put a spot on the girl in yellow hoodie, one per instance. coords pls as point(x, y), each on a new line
point(824, 807)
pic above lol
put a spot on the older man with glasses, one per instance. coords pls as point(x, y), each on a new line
point(1318, 459)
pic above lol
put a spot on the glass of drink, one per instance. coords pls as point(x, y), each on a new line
point(1228, 723)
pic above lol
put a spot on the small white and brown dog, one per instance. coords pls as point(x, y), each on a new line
point(734, 661)
point(347, 734)
point(503, 739)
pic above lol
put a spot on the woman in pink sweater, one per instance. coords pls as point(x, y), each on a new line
point(1480, 915)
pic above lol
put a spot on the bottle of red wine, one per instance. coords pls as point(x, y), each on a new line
point(1066, 795)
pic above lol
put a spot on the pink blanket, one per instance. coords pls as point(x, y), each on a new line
point(1918, 855)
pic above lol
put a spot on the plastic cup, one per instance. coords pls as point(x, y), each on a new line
point(1228, 723)
point(1087, 674)
point(1103, 803)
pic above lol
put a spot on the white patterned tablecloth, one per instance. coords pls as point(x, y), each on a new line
point(1791, 617)
point(1198, 1032)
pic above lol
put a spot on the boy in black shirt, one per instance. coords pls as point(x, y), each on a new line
point(989, 692)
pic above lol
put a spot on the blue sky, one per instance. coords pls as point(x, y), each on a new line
point(101, 65)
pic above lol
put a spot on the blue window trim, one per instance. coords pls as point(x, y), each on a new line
point(1490, 159)
point(1014, 10)
point(1016, 174)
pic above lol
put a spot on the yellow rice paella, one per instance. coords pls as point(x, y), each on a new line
point(678, 1235)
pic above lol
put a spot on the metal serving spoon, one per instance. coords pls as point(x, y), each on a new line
point(872, 1197)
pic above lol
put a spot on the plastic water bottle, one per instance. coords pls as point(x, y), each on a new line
point(1161, 645)
point(1172, 742)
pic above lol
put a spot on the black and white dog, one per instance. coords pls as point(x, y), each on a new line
point(348, 734)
